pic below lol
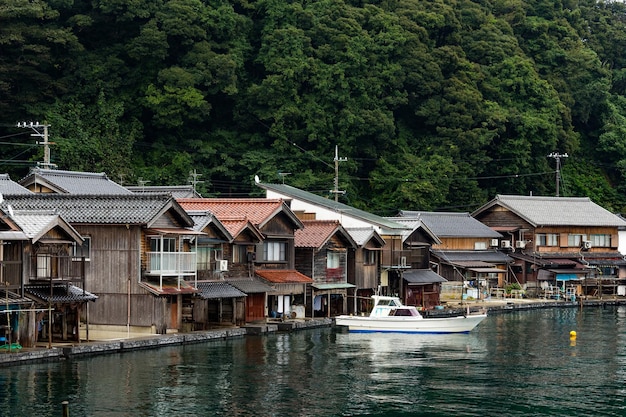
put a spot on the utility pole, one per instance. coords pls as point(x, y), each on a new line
point(558, 157)
point(41, 131)
point(337, 160)
point(193, 179)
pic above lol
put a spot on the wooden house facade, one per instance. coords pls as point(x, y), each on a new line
point(468, 255)
point(262, 248)
point(138, 256)
point(406, 247)
point(364, 267)
point(323, 248)
point(43, 281)
point(558, 243)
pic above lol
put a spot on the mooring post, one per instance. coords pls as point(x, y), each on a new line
point(66, 408)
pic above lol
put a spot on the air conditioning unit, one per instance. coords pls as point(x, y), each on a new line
point(520, 244)
point(222, 265)
point(586, 244)
point(505, 244)
point(403, 261)
point(494, 242)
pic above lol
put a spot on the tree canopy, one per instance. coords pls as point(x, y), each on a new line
point(434, 104)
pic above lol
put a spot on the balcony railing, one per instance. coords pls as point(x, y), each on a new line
point(171, 263)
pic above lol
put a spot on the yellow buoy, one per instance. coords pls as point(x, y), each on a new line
point(572, 334)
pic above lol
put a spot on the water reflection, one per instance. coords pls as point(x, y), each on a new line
point(518, 364)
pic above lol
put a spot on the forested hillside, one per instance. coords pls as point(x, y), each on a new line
point(436, 104)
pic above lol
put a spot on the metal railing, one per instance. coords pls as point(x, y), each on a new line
point(171, 263)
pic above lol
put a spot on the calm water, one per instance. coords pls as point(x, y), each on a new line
point(518, 364)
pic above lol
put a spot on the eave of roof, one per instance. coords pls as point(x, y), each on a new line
point(314, 199)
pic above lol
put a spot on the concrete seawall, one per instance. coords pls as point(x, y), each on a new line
point(100, 347)
point(65, 351)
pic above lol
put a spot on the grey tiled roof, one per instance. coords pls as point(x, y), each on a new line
point(556, 211)
point(362, 235)
point(250, 285)
point(97, 209)
point(347, 211)
point(452, 224)
point(218, 289)
point(177, 191)
point(8, 186)
point(61, 293)
point(32, 222)
point(72, 182)
point(491, 256)
point(422, 276)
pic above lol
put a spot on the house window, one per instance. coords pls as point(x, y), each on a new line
point(547, 239)
point(203, 259)
point(369, 257)
point(82, 251)
point(274, 251)
point(240, 254)
point(575, 240)
point(169, 244)
point(480, 246)
point(603, 241)
point(332, 260)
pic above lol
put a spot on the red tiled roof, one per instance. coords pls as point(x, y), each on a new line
point(315, 233)
point(283, 276)
point(256, 210)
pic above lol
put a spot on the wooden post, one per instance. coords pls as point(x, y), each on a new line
point(66, 408)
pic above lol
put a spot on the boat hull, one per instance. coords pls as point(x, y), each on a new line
point(460, 324)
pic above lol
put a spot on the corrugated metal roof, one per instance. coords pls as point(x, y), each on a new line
point(61, 293)
point(283, 276)
point(452, 224)
point(211, 290)
point(422, 276)
point(12, 299)
point(491, 256)
point(363, 235)
point(556, 211)
point(250, 285)
point(74, 182)
point(347, 211)
point(99, 209)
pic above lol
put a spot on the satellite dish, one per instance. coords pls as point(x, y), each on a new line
point(10, 210)
point(256, 179)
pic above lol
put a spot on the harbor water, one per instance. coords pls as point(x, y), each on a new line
point(522, 363)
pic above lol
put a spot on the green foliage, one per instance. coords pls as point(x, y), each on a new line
point(436, 104)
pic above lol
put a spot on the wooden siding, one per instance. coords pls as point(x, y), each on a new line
point(468, 243)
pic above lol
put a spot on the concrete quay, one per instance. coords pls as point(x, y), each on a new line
point(103, 342)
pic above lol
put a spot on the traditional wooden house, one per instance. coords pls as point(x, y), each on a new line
point(137, 252)
point(468, 255)
point(565, 244)
point(271, 258)
point(43, 284)
point(322, 250)
point(57, 181)
point(404, 260)
point(177, 191)
point(217, 302)
point(364, 270)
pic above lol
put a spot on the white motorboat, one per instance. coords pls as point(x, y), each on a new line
point(390, 315)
